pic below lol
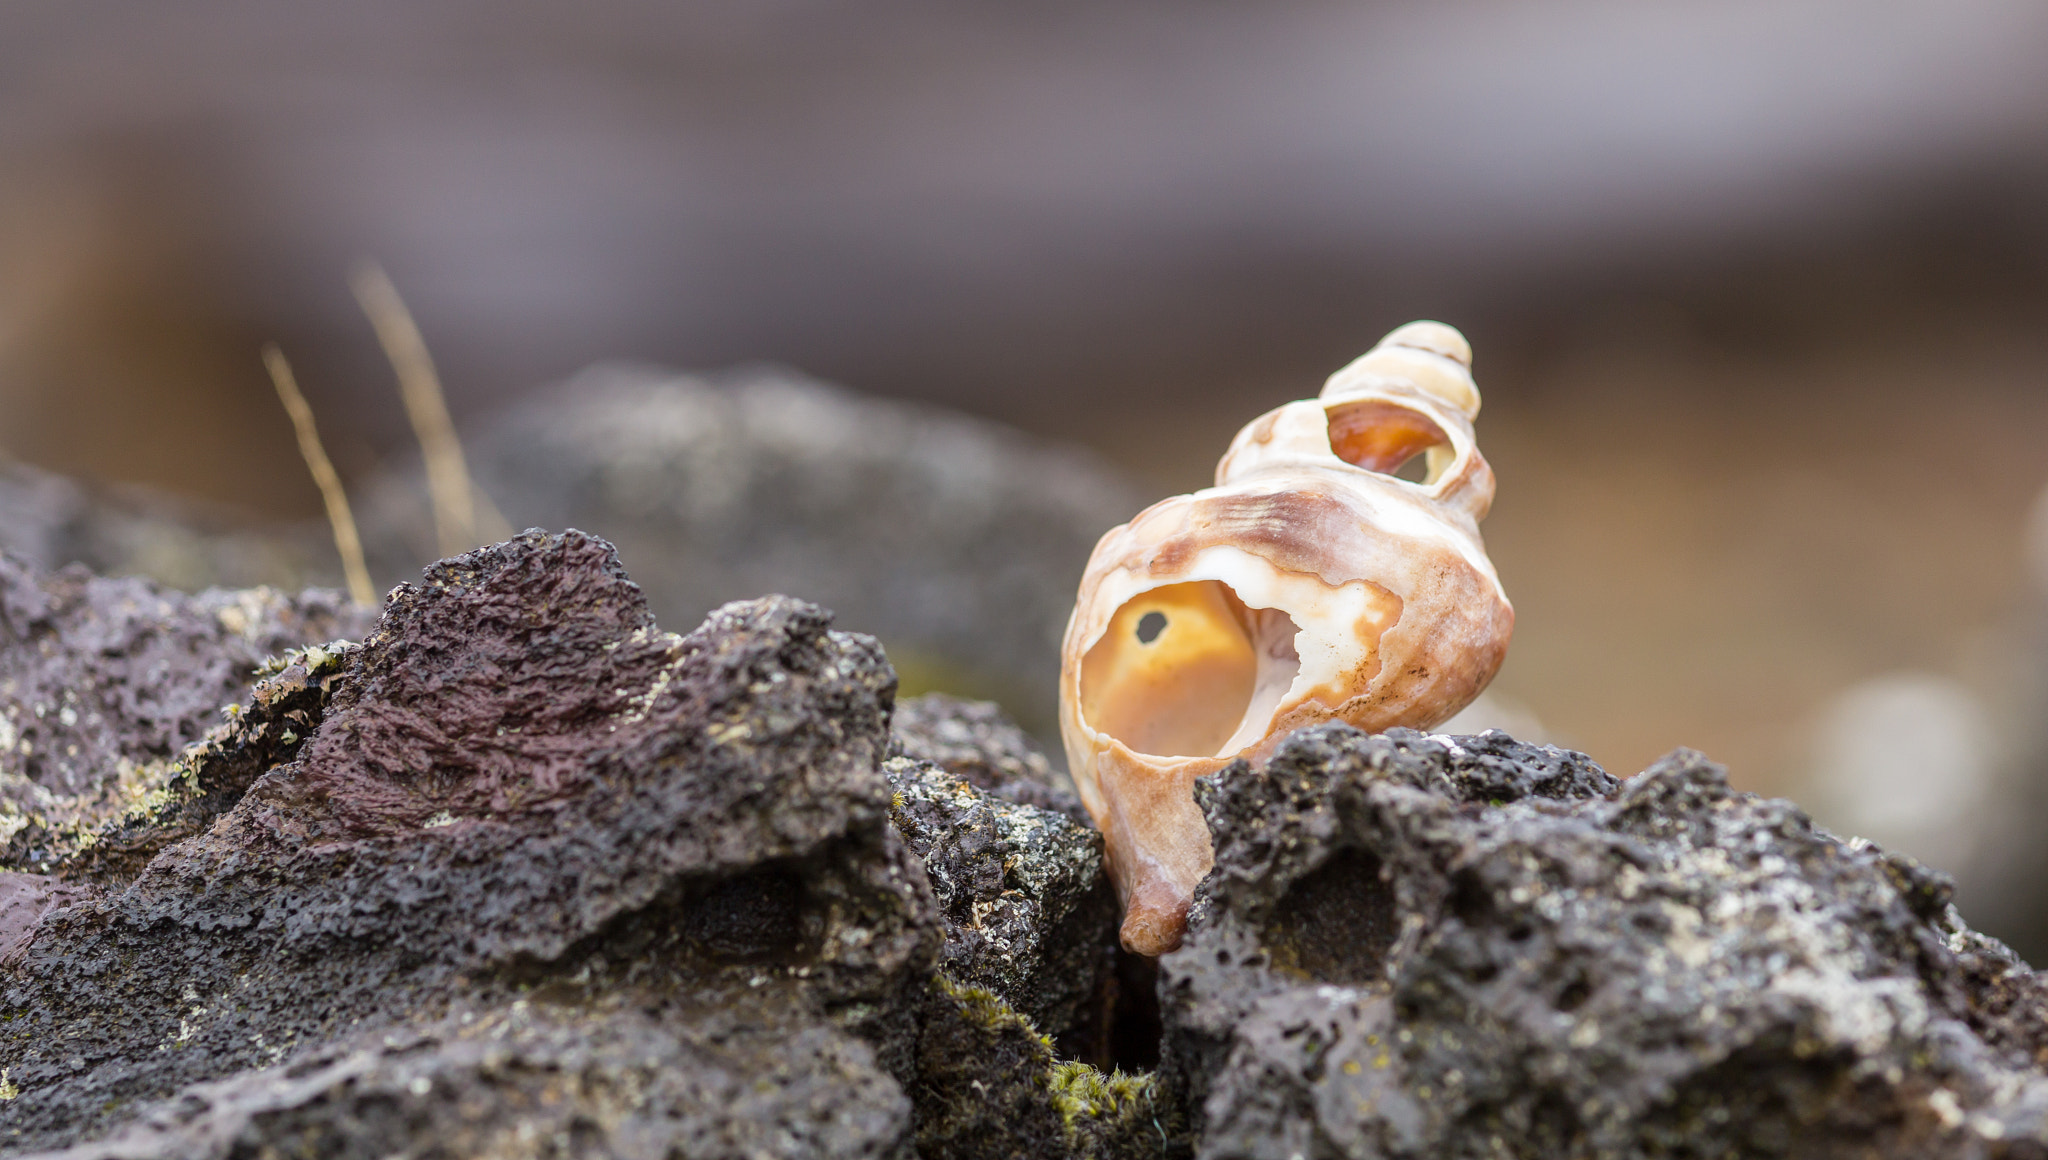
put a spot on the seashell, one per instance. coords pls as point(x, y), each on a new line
point(1312, 583)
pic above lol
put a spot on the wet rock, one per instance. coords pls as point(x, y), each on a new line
point(1029, 913)
point(1423, 947)
point(955, 540)
point(104, 681)
point(541, 877)
point(977, 743)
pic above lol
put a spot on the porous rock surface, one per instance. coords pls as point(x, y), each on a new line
point(1027, 907)
point(522, 875)
point(101, 678)
point(533, 843)
point(1462, 947)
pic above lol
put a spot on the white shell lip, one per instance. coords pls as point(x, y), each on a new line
point(1352, 595)
point(1322, 614)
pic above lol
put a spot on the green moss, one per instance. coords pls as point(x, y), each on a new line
point(986, 1011)
point(980, 1092)
point(1080, 1090)
point(990, 1085)
point(1113, 1115)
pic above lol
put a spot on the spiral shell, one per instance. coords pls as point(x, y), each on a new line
point(1312, 583)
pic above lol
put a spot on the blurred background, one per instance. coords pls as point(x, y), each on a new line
point(1757, 292)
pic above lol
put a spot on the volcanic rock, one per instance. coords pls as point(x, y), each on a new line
point(1029, 914)
point(104, 681)
point(533, 844)
point(977, 742)
point(523, 875)
point(1460, 947)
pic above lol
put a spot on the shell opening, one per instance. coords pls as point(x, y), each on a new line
point(1188, 670)
point(1390, 439)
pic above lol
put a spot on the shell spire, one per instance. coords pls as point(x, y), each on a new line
point(1334, 573)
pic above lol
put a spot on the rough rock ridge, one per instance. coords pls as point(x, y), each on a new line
point(523, 875)
point(1029, 915)
point(532, 842)
point(1462, 947)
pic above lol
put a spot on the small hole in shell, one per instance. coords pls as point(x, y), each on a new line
point(1416, 470)
point(1150, 626)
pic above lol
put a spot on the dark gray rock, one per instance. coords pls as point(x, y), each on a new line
point(1029, 914)
point(977, 742)
point(104, 681)
point(24, 900)
point(988, 1086)
point(956, 541)
point(536, 1079)
point(519, 800)
point(1430, 947)
point(523, 875)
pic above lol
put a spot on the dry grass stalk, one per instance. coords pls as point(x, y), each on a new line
point(457, 523)
point(343, 522)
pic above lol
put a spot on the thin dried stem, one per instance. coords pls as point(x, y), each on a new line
point(339, 518)
point(456, 526)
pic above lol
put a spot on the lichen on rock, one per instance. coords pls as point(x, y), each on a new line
point(977, 743)
point(1029, 915)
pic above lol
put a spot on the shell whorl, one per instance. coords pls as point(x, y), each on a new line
point(1429, 356)
point(1323, 578)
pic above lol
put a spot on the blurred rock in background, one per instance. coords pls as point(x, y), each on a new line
point(957, 541)
point(48, 521)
